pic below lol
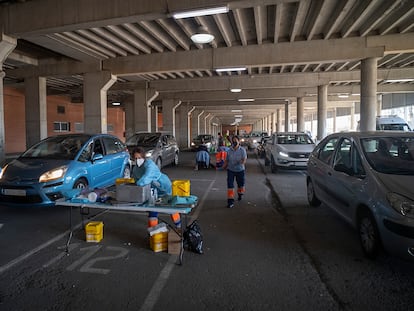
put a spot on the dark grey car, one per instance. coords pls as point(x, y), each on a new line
point(162, 148)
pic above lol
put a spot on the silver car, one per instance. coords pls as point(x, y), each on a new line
point(367, 178)
point(288, 150)
point(162, 148)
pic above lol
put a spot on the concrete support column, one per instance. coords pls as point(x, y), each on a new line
point(182, 125)
point(2, 127)
point(379, 104)
point(142, 108)
point(205, 124)
point(273, 123)
point(7, 45)
point(199, 130)
point(334, 119)
point(287, 117)
point(322, 111)
point(269, 124)
point(154, 118)
point(300, 114)
point(95, 87)
point(129, 118)
point(35, 109)
point(169, 107)
point(279, 119)
point(352, 125)
point(368, 94)
point(190, 122)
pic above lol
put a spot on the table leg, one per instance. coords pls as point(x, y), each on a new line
point(71, 230)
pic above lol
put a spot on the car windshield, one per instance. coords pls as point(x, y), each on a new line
point(393, 127)
point(143, 139)
point(294, 139)
point(390, 155)
point(203, 137)
point(57, 147)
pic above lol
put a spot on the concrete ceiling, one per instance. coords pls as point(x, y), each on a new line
point(289, 47)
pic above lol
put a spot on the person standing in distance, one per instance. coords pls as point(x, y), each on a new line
point(235, 166)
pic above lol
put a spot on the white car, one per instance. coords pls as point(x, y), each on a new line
point(288, 150)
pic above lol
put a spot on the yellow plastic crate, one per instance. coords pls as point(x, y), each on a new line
point(159, 242)
point(120, 181)
point(181, 188)
point(94, 231)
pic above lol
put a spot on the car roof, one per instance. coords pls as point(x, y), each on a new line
point(373, 134)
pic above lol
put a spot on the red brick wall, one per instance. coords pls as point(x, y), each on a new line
point(14, 118)
point(14, 126)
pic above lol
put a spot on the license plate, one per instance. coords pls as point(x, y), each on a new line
point(16, 192)
point(301, 164)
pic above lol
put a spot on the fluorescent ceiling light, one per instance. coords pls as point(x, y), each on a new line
point(343, 95)
point(231, 69)
point(201, 12)
point(116, 104)
point(235, 90)
point(236, 110)
point(238, 116)
point(246, 99)
point(399, 80)
point(202, 35)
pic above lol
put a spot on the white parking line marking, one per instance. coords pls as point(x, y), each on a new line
point(1, 225)
point(23, 257)
point(159, 284)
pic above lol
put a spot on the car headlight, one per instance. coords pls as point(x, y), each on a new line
point(283, 154)
point(192, 144)
point(254, 141)
point(53, 174)
point(149, 153)
point(401, 204)
point(2, 171)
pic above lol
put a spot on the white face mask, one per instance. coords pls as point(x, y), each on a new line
point(140, 162)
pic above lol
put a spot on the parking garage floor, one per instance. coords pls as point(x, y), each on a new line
point(271, 252)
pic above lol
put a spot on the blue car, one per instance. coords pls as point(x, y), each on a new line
point(56, 165)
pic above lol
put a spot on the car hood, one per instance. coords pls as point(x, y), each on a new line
point(401, 184)
point(296, 148)
point(31, 168)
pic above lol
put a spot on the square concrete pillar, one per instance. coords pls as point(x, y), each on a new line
point(95, 88)
point(35, 109)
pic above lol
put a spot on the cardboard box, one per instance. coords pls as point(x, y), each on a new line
point(133, 193)
point(174, 243)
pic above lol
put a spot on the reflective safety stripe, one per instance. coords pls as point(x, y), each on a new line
point(152, 222)
point(176, 218)
point(230, 193)
point(241, 190)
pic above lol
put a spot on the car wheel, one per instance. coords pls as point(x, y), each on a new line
point(368, 234)
point(127, 172)
point(159, 163)
point(81, 183)
point(310, 191)
point(273, 166)
point(175, 162)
